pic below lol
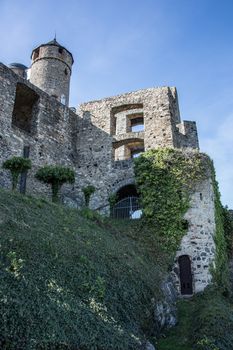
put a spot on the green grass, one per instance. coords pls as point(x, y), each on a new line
point(71, 280)
point(178, 338)
point(205, 322)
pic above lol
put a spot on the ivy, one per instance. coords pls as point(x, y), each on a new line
point(220, 271)
point(165, 178)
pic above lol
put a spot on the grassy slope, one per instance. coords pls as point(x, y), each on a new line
point(71, 283)
point(205, 323)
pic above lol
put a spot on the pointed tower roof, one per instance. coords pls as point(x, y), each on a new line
point(54, 43)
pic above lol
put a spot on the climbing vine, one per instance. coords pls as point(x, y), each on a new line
point(220, 271)
point(165, 178)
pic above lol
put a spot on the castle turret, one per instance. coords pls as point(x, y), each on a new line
point(19, 69)
point(51, 70)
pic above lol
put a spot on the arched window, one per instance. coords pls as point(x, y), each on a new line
point(120, 120)
point(127, 149)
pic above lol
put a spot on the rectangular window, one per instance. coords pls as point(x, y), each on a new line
point(25, 108)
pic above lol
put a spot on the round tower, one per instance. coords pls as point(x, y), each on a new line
point(51, 70)
point(19, 69)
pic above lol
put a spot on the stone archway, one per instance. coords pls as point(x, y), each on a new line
point(127, 205)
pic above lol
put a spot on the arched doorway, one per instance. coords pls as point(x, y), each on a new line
point(127, 205)
point(186, 283)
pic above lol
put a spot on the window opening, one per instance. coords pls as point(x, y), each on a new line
point(36, 54)
point(25, 107)
point(137, 124)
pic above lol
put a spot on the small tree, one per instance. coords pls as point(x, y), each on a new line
point(56, 176)
point(88, 191)
point(17, 165)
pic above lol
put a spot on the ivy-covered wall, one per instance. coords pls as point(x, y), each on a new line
point(180, 200)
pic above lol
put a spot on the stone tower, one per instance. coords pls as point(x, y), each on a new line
point(51, 70)
point(19, 69)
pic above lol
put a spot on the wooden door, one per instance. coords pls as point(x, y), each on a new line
point(186, 283)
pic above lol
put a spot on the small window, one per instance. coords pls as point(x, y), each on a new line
point(36, 54)
point(63, 99)
point(66, 71)
point(60, 50)
point(135, 122)
point(201, 196)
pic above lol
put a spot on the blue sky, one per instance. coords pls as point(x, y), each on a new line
point(121, 46)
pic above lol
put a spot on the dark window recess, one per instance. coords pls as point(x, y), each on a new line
point(25, 107)
point(201, 196)
point(36, 54)
point(60, 50)
point(137, 124)
point(66, 71)
point(186, 285)
point(185, 224)
point(23, 179)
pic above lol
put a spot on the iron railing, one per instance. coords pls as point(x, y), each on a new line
point(127, 208)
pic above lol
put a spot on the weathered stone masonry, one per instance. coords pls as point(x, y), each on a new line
point(99, 143)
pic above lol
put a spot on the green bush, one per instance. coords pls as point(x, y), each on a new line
point(56, 176)
point(88, 191)
point(16, 165)
point(228, 230)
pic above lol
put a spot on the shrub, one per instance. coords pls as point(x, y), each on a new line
point(56, 176)
point(16, 165)
point(112, 199)
point(88, 191)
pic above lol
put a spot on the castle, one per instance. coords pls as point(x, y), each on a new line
point(99, 141)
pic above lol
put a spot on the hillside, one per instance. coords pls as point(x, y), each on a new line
point(71, 280)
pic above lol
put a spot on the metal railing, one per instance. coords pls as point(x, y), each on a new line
point(127, 208)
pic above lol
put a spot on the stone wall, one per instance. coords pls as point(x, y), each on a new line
point(199, 243)
point(51, 138)
point(91, 141)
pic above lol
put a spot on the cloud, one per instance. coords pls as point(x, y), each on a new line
point(220, 148)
